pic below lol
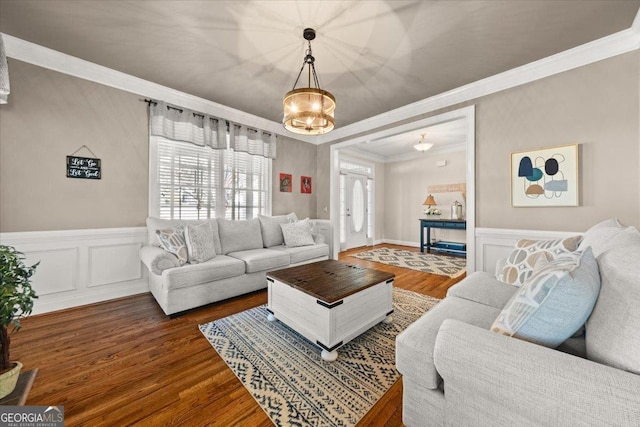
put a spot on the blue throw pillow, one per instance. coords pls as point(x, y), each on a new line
point(554, 302)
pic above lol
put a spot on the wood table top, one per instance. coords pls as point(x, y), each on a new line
point(330, 280)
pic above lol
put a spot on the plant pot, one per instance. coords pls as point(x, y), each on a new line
point(9, 379)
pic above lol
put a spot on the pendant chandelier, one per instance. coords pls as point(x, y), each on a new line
point(422, 146)
point(309, 111)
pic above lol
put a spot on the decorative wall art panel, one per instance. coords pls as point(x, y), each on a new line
point(285, 182)
point(545, 177)
point(305, 184)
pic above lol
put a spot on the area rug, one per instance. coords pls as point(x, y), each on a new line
point(283, 371)
point(443, 265)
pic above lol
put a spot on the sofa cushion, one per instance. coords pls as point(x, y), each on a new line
point(484, 288)
point(414, 346)
point(304, 253)
point(270, 227)
point(262, 259)
point(554, 302)
point(172, 240)
point(199, 239)
point(613, 330)
point(239, 235)
point(154, 224)
point(297, 233)
point(218, 268)
point(600, 237)
point(523, 258)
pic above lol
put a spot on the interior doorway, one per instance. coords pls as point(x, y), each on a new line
point(465, 115)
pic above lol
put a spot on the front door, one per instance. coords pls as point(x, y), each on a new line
point(356, 211)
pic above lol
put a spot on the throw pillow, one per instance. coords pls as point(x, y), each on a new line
point(554, 302)
point(523, 258)
point(270, 227)
point(172, 241)
point(297, 233)
point(199, 239)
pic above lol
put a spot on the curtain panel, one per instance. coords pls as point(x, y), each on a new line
point(181, 124)
point(253, 141)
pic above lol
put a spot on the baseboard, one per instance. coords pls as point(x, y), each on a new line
point(401, 243)
point(79, 267)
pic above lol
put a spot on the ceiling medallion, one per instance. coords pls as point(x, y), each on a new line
point(423, 146)
point(310, 110)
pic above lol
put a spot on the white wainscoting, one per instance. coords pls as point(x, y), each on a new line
point(495, 243)
point(79, 267)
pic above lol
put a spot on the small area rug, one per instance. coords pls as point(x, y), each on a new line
point(443, 265)
point(285, 374)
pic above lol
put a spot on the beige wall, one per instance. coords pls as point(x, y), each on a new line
point(406, 186)
point(298, 159)
point(50, 115)
point(597, 106)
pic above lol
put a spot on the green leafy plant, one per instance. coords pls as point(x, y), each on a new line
point(16, 297)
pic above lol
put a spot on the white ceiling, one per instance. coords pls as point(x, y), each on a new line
point(373, 55)
point(445, 137)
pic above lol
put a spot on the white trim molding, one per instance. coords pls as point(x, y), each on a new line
point(493, 244)
point(79, 267)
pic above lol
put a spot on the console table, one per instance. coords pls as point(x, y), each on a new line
point(442, 246)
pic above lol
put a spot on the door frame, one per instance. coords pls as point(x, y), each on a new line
point(466, 113)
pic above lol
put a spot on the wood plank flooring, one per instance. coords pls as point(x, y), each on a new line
point(123, 362)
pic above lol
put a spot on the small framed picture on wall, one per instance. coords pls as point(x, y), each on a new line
point(285, 182)
point(305, 184)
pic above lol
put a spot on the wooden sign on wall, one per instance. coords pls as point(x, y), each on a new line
point(83, 167)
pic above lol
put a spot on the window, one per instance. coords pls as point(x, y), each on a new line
point(192, 182)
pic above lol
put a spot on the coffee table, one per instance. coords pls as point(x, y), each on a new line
point(330, 302)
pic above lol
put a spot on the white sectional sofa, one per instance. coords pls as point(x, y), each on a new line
point(244, 252)
point(458, 372)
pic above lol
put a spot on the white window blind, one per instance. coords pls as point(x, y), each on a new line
point(193, 182)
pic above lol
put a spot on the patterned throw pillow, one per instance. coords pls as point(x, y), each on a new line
point(522, 260)
point(199, 240)
point(172, 241)
point(554, 302)
point(297, 233)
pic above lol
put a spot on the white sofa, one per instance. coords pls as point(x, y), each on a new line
point(245, 251)
point(457, 372)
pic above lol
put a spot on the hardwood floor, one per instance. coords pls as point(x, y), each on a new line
point(124, 362)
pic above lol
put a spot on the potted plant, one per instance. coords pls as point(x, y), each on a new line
point(16, 302)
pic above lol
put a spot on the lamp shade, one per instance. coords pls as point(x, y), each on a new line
point(309, 111)
point(430, 201)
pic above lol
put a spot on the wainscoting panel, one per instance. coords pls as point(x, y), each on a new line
point(493, 244)
point(56, 272)
point(102, 259)
point(79, 267)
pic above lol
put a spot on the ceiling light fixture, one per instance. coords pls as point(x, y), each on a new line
point(310, 110)
point(422, 146)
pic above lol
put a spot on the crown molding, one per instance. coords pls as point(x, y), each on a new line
point(597, 50)
point(356, 150)
point(41, 56)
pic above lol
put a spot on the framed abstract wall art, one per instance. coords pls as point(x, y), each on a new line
point(545, 177)
point(285, 182)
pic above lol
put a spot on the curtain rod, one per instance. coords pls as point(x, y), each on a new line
point(151, 101)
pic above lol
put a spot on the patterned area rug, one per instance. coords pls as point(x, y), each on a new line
point(285, 374)
point(443, 265)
